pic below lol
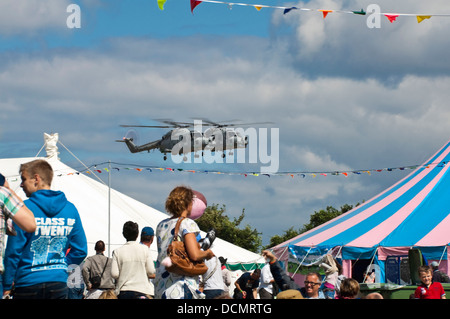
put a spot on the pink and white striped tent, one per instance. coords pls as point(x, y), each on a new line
point(413, 213)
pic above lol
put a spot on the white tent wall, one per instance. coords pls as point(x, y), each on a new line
point(104, 210)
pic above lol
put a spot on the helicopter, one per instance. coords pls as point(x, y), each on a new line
point(185, 137)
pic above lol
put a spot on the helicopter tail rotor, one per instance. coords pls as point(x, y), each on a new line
point(131, 140)
point(132, 136)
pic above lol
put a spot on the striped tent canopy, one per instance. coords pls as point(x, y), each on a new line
point(414, 212)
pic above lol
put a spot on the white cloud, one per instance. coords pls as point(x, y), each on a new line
point(343, 45)
point(31, 16)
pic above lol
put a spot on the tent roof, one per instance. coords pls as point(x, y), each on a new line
point(412, 212)
point(91, 199)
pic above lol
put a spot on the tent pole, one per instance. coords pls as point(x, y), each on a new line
point(301, 263)
point(285, 249)
point(442, 256)
point(109, 208)
point(371, 262)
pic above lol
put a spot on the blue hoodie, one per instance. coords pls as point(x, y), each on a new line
point(43, 256)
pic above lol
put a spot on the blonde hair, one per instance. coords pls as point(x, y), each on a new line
point(108, 294)
point(179, 200)
point(38, 167)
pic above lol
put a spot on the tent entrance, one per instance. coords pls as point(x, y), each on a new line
point(359, 267)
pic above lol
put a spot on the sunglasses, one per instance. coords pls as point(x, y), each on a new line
point(311, 283)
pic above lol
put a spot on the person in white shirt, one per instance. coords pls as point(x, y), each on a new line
point(266, 283)
point(132, 266)
point(212, 280)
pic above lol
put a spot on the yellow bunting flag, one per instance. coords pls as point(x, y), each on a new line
point(161, 4)
point(421, 18)
point(258, 8)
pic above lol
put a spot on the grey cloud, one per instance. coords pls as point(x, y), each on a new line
point(343, 46)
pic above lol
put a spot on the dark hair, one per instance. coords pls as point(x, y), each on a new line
point(130, 231)
point(146, 238)
point(99, 246)
point(349, 288)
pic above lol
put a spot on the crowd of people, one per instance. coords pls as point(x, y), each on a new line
point(46, 237)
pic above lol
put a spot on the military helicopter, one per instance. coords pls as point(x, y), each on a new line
point(187, 137)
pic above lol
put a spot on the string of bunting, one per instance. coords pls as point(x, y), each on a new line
point(118, 166)
point(390, 16)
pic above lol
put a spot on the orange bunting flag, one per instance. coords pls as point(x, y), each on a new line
point(391, 17)
point(421, 18)
point(258, 8)
point(325, 12)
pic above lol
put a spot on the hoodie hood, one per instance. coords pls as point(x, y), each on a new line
point(49, 201)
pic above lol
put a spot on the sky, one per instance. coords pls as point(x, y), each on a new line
point(342, 96)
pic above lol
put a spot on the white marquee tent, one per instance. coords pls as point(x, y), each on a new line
point(104, 210)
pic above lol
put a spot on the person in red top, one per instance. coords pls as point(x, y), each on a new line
point(428, 289)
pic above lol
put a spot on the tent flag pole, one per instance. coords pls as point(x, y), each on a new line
point(371, 261)
point(339, 251)
point(442, 256)
point(300, 262)
point(109, 208)
point(285, 249)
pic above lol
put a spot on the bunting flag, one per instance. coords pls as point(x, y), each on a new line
point(421, 18)
point(292, 174)
point(194, 3)
point(325, 12)
point(390, 16)
point(161, 4)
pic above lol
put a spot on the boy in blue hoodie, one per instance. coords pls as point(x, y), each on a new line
point(37, 263)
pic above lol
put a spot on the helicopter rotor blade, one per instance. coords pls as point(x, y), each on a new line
point(170, 124)
point(228, 123)
point(148, 126)
point(205, 122)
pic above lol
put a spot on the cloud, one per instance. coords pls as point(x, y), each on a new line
point(346, 119)
point(31, 16)
point(343, 45)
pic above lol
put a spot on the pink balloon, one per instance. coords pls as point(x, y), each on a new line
point(198, 206)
